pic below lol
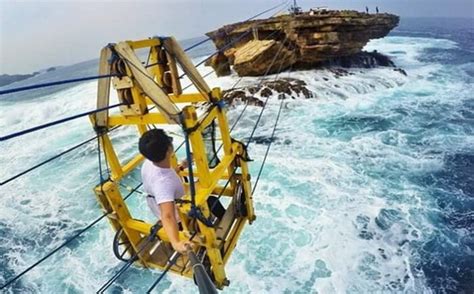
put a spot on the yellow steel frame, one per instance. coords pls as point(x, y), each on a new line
point(208, 180)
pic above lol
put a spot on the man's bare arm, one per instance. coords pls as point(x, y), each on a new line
point(168, 218)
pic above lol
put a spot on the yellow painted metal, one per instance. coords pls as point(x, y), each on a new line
point(144, 228)
point(248, 193)
point(149, 118)
point(146, 86)
point(234, 237)
point(198, 147)
point(183, 98)
point(122, 83)
point(111, 157)
point(144, 43)
point(171, 45)
point(110, 197)
point(155, 68)
point(132, 164)
point(103, 91)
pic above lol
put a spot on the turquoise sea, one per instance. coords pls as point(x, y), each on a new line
point(368, 188)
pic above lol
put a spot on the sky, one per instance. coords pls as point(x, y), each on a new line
point(38, 34)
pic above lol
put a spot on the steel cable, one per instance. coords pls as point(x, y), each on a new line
point(70, 239)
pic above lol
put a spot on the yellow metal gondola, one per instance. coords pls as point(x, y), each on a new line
point(158, 84)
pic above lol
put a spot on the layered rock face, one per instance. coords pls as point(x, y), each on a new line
point(305, 40)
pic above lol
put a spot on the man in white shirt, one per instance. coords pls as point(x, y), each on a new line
point(164, 186)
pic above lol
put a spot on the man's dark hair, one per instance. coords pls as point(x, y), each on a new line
point(154, 144)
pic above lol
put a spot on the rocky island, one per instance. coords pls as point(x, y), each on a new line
point(300, 40)
point(6, 79)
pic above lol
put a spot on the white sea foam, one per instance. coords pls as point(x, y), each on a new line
point(336, 177)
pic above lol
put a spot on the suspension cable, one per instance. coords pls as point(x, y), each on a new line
point(231, 43)
point(37, 86)
point(271, 140)
point(253, 17)
point(51, 159)
point(245, 34)
point(56, 122)
point(197, 44)
point(132, 191)
point(266, 100)
point(133, 258)
point(169, 264)
point(268, 148)
point(87, 78)
point(70, 239)
point(255, 126)
point(172, 261)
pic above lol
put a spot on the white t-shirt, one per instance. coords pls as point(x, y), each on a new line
point(162, 183)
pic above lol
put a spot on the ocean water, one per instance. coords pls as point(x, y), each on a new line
point(367, 188)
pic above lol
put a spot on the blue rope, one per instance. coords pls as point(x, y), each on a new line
point(23, 132)
point(190, 166)
point(37, 86)
point(46, 161)
point(51, 159)
point(197, 44)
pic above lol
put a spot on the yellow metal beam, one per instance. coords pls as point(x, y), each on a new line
point(198, 147)
point(234, 237)
point(149, 118)
point(183, 98)
point(207, 119)
point(111, 157)
point(145, 228)
point(120, 211)
point(144, 43)
point(132, 164)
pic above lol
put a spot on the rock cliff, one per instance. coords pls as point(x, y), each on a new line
point(305, 40)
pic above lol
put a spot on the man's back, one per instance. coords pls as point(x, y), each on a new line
point(163, 184)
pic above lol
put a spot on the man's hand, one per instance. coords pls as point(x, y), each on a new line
point(182, 246)
point(184, 164)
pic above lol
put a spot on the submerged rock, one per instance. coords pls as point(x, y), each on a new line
point(303, 40)
point(362, 59)
point(386, 218)
point(284, 87)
